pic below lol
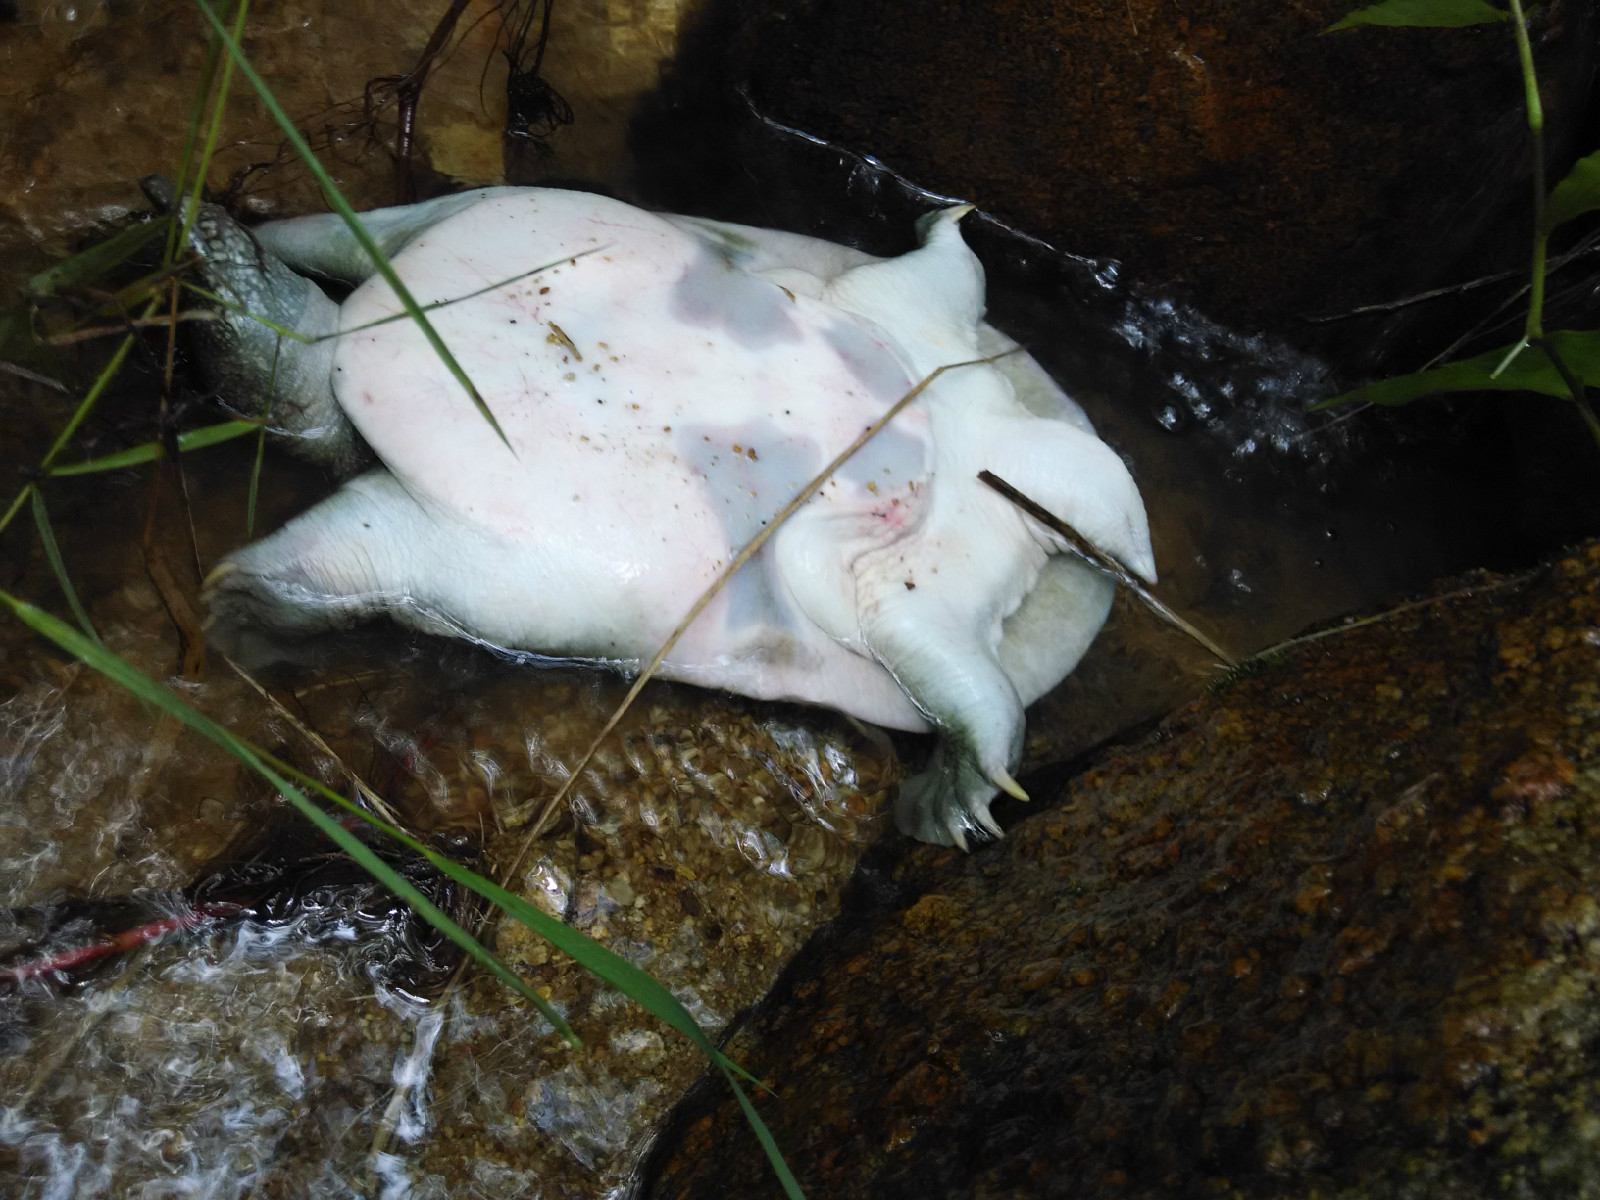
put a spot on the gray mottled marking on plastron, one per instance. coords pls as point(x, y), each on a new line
point(754, 311)
point(868, 360)
point(752, 603)
point(746, 492)
point(891, 460)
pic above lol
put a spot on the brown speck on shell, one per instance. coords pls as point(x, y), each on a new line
point(559, 337)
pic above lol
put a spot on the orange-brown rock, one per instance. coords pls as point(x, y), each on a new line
point(1328, 931)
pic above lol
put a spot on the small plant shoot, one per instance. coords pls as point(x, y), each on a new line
point(1563, 363)
point(1436, 14)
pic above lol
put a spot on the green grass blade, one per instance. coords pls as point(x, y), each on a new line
point(91, 397)
point(307, 340)
point(1509, 357)
point(639, 986)
point(281, 331)
point(191, 137)
point(192, 210)
point(341, 206)
point(255, 486)
point(1434, 14)
point(114, 668)
point(1527, 372)
point(1575, 195)
point(438, 304)
point(16, 506)
point(47, 537)
point(92, 264)
point(193, 439)
point(16, 334)
point(791, 1186)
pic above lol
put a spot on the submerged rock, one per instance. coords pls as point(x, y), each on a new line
point(1330, 930)
point(283, 1049)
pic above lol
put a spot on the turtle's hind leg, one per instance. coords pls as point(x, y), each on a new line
point(352, 557)
point(935, 647)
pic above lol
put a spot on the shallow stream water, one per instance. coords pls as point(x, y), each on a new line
point(288, 1039)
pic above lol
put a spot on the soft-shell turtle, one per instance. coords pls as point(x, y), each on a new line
point(666, 384)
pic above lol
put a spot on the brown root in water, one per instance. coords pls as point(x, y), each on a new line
point(1274, 654)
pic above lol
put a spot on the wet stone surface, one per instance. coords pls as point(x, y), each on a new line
point(266, 1056)
point(94, 95)
point(1328, 931)
point(1224, 151)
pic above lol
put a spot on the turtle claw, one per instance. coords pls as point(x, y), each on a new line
point(948, 803)
point(217, 574)
point(1002, 780)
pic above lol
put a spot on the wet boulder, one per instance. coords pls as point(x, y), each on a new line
point(1330, 930)
point(1227, 154)
point(95, 95)
point(304, 1011)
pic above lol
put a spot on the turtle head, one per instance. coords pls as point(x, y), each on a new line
point(269, 353)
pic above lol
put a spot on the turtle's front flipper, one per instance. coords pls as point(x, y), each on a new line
point(351, 557)
point(1074, 476)
point(263, 355)
point(323, 244)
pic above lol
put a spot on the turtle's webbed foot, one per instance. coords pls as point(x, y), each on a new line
point(949, 802)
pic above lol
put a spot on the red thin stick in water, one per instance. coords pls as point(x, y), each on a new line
point(127, 940)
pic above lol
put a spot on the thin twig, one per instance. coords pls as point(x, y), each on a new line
point(1092, 554)
point(1355, 623)
point(408, 93)
point(75, 336)
point(1586, 247)
point(172, 345)
point(116, 303)
point(11, 368)
point(1449, 289)
point(175, 598)
point(373, 800)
